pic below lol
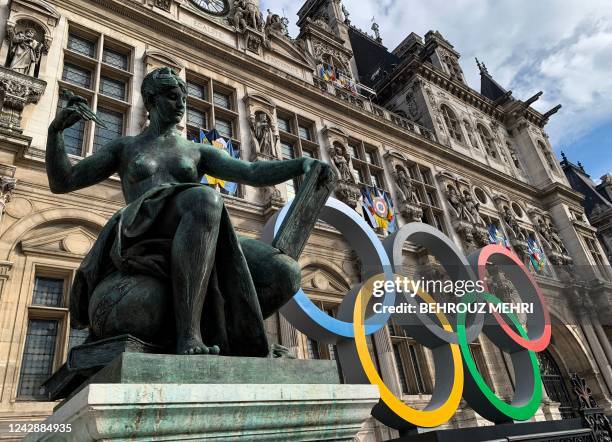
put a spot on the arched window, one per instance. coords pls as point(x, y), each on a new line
point(487, 140)
point(547, 155)
point(452, 123)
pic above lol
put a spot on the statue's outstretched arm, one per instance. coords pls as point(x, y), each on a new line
point(65, 177)
point(217, 163)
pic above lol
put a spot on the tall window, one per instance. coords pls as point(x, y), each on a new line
point(365, 160)
point(98, 69)
point(288, 153)
point(427, 194)
point(297, 139)
point(211, 104)
point(487, 140)
point(38, 358)
point(114, 127)
point(74, 135)
point(596, 254)
point(317, 350)
point(452, 124)
point(47, 316)
point(410, 362)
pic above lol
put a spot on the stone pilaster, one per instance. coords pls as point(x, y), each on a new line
point(288, 336)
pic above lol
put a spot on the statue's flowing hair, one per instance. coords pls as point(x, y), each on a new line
point(157, 81)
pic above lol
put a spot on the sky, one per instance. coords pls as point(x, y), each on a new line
point(560, 47)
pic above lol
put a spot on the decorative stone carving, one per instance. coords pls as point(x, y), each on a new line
point(553, 245)
point(264, 135)
point(245, 13)
point(347, 190)
point(409, 205)
point(321, 48)
point(163, 4)
point(16, 91)
point(346, 14)
point(7, 185)
point(341, 160)
point(254, 41)
point(276, 26)
point(248, 20)
point(25, 50)
point(464, 210)
point(238, 15)
point(470, 133)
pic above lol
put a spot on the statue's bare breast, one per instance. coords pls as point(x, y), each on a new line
point(146, 165)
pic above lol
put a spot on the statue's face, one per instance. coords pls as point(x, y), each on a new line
point(30, 33)
point(338, 151)
point(171, 105)
point(263, 118)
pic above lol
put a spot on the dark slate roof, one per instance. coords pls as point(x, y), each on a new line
point(489, 87)
point(581, 181)
point(370, 56)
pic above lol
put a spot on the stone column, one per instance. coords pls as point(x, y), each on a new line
point(386, 358)
point(603, 339)
point(289, 336)
point(598, 353)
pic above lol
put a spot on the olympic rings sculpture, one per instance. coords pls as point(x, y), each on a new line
point(456, 373)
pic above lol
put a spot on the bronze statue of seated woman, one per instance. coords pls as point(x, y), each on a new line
point(168, 268)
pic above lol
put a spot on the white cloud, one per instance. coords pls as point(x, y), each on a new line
point(562, 47)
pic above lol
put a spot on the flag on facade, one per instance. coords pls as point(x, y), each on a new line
point(378, 209)
point(536, 255)
point(213, 138)
point(497, 237)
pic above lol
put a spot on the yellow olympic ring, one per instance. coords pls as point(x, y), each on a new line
point(421, 418)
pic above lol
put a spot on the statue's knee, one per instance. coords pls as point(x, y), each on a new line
point(292, 274)
point(203, 201)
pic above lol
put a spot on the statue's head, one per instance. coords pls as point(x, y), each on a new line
point(30, 33)
point(263, 117)
point(164, 94)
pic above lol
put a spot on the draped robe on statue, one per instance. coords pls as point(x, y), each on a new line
point(231, 316)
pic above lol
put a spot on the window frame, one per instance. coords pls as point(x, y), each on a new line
point(452, 123)
point(99, 69)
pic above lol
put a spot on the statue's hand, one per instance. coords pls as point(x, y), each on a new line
point(327, 171)
point(71, 114)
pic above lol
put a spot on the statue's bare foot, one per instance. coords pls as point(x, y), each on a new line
point(191, 346)
point(195, 346)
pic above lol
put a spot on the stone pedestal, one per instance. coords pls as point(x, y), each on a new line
point(155, 397)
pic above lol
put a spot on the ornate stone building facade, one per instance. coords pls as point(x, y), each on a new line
point(402, 123)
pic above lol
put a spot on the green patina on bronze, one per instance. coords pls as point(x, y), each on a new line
point(168, 268)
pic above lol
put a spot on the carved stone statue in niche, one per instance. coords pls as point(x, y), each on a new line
point(470, 133)
point(341, 160)
point(514, 230)
point(25, 51)
point(347, 189)
point(458, 204)
point(473, 208)
point(551, 238)
point(405, 187)
point(409, 205)
point(263, 135)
